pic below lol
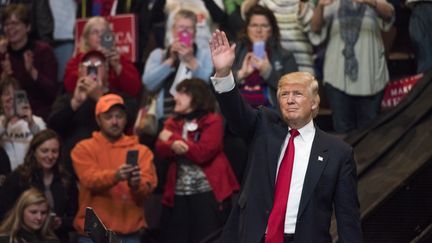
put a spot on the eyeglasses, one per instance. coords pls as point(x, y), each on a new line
point(259, 26)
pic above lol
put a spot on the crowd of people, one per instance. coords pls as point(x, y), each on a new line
point(219, 72)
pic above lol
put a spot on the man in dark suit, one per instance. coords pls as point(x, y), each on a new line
point(323, 168)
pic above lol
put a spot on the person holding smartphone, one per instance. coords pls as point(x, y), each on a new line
point(115, 173)
point(122, 74)
point(260, 59)
point(183, 58)
point(72, 114)
point(18, 125)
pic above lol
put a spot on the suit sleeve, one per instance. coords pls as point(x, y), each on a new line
point(347, 204)
point(240, 116)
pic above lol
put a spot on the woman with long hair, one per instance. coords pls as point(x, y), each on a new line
point(43, 170)
point(260, 59)
point(29, 220)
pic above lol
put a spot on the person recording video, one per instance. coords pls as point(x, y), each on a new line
point(17, 123)
point(183, 58)
point(72, 114)
point(122, 74)
point(115, 173)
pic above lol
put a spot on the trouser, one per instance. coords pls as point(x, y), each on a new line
point(421, 36)
point(350, 112)
point(191, 219)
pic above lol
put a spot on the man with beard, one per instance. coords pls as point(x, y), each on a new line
point(115, 172)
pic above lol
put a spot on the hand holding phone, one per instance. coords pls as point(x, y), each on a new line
point(259, 49)
point(21, 103)
point(107, 39)
point(185, 37)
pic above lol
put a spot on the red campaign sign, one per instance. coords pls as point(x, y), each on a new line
point(124, 28)
point(396, 90)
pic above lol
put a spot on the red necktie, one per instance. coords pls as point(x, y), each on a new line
point(276, 221)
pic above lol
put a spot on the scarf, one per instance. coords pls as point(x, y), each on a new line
point(350, 18)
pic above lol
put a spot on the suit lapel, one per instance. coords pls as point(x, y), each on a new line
point(317, 162)
point(274, 146)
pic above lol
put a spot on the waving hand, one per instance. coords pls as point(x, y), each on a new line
point(222, 53)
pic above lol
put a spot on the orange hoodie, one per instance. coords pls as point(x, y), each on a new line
point(96, 161)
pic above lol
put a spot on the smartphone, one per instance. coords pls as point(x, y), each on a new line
point(107, 39)
point(20, 102)
point(92, 70)
point(259, 49)
point(185, 37)
point(132, 157)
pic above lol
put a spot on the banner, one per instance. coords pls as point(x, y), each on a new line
point(396, 90)
point(124, 27)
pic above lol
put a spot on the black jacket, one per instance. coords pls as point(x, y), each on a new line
point(330, 183)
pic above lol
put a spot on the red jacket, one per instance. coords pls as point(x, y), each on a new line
point(128, 81)
point(207, 152)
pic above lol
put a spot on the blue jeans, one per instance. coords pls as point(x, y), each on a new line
point(350, 112)
point(421, 36)
point(133, 238)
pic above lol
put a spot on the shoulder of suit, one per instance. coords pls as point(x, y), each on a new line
point(332, 139)
point(271, 114)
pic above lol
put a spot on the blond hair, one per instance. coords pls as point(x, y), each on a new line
point(84, 45)
point(13, 222)
point(303, 78)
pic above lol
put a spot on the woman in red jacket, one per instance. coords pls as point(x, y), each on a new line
point(123, 76)
point(200, 178)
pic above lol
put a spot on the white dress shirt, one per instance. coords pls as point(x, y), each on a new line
point(302, 145)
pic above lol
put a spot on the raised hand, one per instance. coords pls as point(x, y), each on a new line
point(223, 54)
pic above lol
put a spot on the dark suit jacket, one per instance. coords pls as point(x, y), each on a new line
point(329, 182)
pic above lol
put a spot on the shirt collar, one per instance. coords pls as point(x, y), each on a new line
point(307, 132)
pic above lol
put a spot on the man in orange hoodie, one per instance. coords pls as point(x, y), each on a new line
point(112, 185)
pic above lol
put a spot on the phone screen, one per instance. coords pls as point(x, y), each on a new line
point(21, 102)
point(107, 40)
point(259, 49)
point(92, 70)
point(185, 37)
point(132, 157)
